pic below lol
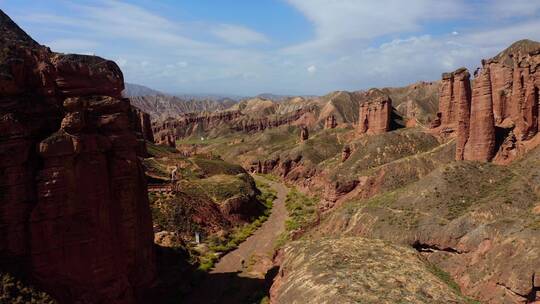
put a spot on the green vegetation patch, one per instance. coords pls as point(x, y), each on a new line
point(220, 245)
point(302, 210)
point(222, 187)
point(447, 279)
point(15, 291)
point(159, 150)
point(217, 166)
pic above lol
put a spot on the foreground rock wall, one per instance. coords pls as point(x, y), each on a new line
point(74, 209)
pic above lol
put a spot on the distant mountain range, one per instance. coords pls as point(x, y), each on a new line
point(134, 90)
point(162, 105)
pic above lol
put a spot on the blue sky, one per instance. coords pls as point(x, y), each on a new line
point(246, 47)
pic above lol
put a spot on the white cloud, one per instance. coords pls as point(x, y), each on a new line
point(358, 44)
point(343, 21)
point(239, 35)
point(511, 8)
point(504, 35)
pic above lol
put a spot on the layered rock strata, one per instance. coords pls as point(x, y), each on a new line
point(500, 117)
point(143, 124)
point(190, 124)
point(374, 115)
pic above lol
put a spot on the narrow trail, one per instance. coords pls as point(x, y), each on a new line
point(246, 272)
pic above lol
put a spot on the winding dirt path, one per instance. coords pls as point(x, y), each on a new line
point(245, 272)
point(258, 248)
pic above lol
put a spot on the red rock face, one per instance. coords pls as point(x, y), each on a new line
point(304, 133)
point(480, 145)
point(374, 116)
point(447, 104)
point(501, 115)
point(330, 122)
point(143, 124)
point(453, 90)
point(74, 207)
point(463, 98)
point(345, 153)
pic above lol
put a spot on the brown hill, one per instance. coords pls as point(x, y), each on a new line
point(161, 106)
point(414, 103)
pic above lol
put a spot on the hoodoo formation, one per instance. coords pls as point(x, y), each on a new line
point(500, 117)
point(330, 122)
point(74, 208)
point(304, 133)
point(374, 116)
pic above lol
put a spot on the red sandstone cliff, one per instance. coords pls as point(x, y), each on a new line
point(330, 122)
point(142, 124)
point(74, 210)
point(374, 116)
point(499, 119)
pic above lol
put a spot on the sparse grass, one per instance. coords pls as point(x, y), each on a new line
point(159, 150)
point(302, 211)
point(447, 279)
point(222, 187)
point(269, 177)
point(217, 166)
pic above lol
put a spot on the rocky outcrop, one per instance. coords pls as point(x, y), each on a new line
point(330, 122)
point(454, 107)
point(498, 119)
point(345, 153)
point(462, 96)
point(143, 124)
point(74, 209)
point(480, 143)
point(375, 114)
point(448, 107)
point(304, 133)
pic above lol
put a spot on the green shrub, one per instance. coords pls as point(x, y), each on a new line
point(302, 211)
point(13, 290)
point(218, 246)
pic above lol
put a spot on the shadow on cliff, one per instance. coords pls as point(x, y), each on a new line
point(181, 282)
point(396, 120)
